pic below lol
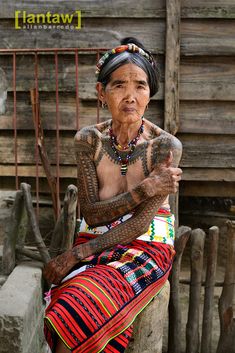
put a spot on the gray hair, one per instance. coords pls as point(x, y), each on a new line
point(117, 60)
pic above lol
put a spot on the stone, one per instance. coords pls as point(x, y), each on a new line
point(21, 310)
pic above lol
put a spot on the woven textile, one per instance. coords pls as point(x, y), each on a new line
point(94, 307)
point(161, 228)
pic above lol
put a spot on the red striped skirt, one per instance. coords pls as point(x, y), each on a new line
point(93, 309)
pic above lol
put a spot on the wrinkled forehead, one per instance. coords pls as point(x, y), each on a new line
point(129, 72)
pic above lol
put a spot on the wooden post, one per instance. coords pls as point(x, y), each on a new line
point(192, 327)
point(226, 313)
point(63, 234)
point(22, 231)
point(8, 258)
point(174, 204)
point(148, 326)
point(70, 204)
point(43, 153)
point(174, 332)
point(33, 222)
point(172, 64)
point(209, 290)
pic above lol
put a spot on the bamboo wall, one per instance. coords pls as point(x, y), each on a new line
point(207, 84)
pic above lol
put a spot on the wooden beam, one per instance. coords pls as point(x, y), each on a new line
point(89, 9)
point(172, 63)
point(226, 308)
point(207, 188)
point(212, 250)
point(145, 8)
point(199, 151)
point(203, 78)
point(70, 172)
point(175, 322)
point(192, 327)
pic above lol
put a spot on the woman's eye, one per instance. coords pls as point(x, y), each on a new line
point(141, 87)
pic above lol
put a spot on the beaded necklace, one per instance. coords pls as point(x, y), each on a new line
point(131, 145)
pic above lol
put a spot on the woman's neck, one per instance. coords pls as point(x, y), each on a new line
point(125, 132)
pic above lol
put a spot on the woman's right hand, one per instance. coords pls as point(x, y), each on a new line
point(164, 179)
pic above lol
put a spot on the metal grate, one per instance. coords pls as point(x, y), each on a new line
point(35, 52)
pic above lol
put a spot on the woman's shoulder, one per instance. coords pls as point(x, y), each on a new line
point(91, 134)
point(158, 135)
point(162, 142)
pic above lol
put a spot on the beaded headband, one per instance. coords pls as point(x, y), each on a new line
point(131, 47)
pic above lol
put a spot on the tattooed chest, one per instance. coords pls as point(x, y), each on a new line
point(138, 159)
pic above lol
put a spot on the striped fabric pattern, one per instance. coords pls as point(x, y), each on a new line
point(93, 311)
point(161, 228)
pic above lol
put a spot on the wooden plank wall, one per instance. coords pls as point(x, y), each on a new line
point(207, 84)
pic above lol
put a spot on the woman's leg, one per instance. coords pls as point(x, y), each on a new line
point(61, 348)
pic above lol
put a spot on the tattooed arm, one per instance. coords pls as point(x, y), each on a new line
point(138, 224)
point(98, 212)
point(123, 233)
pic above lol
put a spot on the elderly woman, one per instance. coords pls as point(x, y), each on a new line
point(123, 253)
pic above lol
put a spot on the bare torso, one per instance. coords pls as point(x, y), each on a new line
point(105, 194)
point(111, 182)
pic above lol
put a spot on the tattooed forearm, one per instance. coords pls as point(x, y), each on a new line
point(98, 212)
point(94, 211)
point(103, 212)
point(125, 232)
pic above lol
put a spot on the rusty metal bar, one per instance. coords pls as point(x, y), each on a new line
point(77, 90)
point(15, 123)
point(57, 136)
point(98, 101)
point(77, 115)
point(36, 132)
point(55, 52)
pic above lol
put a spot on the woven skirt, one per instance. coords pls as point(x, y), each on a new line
point(94, 307)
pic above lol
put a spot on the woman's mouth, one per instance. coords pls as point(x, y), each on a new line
point(129, 110)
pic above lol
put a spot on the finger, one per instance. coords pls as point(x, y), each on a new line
point(176, 177)
point(179, 171)
point(175, 171)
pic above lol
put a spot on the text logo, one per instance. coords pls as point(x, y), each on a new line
point(24, 20)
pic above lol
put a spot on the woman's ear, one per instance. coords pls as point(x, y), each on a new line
point(100, 91)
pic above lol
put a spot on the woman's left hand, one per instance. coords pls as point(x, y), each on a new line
point(58, 267)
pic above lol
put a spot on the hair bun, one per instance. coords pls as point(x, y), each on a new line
point(128, 40)
point(135, 41)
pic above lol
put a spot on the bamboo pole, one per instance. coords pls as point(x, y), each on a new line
point(209, 290)
point(174, 332)
point(192, 327)
point(226, 342)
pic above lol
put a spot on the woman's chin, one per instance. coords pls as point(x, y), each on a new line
point(129, 117)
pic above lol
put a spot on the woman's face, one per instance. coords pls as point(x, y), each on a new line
point(127, 93)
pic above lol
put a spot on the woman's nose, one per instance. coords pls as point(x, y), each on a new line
point(129, 96)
